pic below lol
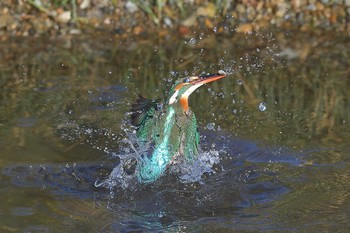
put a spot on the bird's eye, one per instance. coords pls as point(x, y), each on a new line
point(187, 80)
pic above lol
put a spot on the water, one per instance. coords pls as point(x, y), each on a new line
point(262, 106)
point(274, 146)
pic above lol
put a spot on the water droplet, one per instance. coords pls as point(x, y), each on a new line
point(109, 72)
point(161, 214)
point(192, 41)
point(173, 73)
point(168, 22)
point(234, 111)
point(211, 126)
point(262, 106)
point(239, 82)
point(222, 72)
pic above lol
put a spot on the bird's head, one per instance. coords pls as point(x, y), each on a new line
point(184, 87)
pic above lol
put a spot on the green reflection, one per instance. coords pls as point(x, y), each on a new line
point(57, 96)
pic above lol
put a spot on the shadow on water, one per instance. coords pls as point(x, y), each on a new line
point(64, 120)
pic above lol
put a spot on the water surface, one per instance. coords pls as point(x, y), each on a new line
point(279, 126)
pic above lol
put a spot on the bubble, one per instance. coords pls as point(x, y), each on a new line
point(262, 106)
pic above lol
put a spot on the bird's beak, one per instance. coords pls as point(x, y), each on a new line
point(203, 79)
point(196, 82)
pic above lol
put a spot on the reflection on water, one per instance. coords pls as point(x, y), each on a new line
point(277, 130)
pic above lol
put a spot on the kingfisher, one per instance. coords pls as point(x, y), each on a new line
point(169, 128)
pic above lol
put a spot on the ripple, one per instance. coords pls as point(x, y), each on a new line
point(22, 211)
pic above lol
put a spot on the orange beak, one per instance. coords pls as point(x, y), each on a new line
point(209, 78)
point(196, 83)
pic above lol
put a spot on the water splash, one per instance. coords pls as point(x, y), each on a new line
point(193, 171)
point(127, 173)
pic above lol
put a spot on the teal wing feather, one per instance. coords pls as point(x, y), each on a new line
point(191, 139)
point(142, 116)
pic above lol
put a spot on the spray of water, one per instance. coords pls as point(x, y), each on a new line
point(126, 173)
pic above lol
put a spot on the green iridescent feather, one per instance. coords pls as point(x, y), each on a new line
point(191, 141)
point(170, 134)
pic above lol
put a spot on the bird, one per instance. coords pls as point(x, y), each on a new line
point(168, 127)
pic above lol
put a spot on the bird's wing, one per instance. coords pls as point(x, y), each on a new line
point(192, 138)
point(142, 115)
